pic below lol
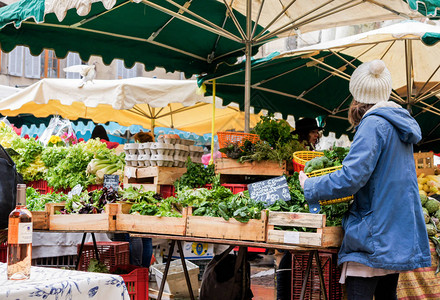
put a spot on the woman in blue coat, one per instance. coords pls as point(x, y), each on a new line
point(385, 231)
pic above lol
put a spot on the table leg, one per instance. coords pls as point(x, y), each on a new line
point(165, 272)
point(185, 270)
point(306, 276)
point(80, 250)
point(95, 246)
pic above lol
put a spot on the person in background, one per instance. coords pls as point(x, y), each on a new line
point(100, 133)
point(384, 229)
point(308, 133)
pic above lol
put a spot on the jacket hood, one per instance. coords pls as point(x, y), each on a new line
point(407, 127)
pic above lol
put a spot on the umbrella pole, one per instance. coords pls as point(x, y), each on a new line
point(211, 160)
point(153, 120)
point(409, 72)
point(247, 78)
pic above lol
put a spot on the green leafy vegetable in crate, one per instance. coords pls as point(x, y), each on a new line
point(97, 266)
point(196, 175)
point(90, 202)
point(36, 201)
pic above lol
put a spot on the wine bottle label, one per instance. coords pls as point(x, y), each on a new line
point(25, 233)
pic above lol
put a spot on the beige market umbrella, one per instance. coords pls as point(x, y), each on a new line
point(136, 101)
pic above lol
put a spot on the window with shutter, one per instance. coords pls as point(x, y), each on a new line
point(73, 59)
point(15, 61)
point(31, 64)
point(123, 72)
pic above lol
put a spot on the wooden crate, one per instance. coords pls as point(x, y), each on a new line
point(149, 224)
point(424, 163)
point(40, 220)
point(219, 228)
point(152, 175)
point(82, 222)
point(229, 166)
point(323, 237)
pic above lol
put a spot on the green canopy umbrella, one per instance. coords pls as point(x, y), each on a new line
point(294, 85)
point(135, 31)
point(429, 8)
point(410, 50)
point(192, 36)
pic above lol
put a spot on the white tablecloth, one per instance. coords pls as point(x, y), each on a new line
point(58, 284)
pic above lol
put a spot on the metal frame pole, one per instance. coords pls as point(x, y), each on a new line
point(247, 80)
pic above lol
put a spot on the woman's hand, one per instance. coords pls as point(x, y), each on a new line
point(302, 178)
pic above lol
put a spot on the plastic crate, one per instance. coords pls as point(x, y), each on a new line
point(110, 253)
point(167, 190)
point(234, 187)
point(93, 187)
point(136, 280)
point(39, 185)
point(330, 271)
point(64, 261)
point(3, 252)
point(227, 137)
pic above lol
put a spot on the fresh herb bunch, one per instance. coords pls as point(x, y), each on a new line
point(235, 151)
point(197, 175)
point(164, 208)
point(337, 154)
point(279, 153)
point(272, 130)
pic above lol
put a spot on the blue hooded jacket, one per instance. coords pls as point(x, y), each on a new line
point(384, 227)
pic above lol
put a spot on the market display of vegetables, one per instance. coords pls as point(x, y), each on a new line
point(62, 167)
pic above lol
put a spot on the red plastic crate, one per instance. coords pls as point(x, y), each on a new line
point(234, 187)
point(136, 281)
point(331, 274)
point(297, 167)
point(110, 253)
point(3, 252)
point(93, 187)
point(167, 190)
point(39, 185)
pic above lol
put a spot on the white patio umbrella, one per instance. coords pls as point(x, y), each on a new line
point(409, 49)
point(148, 102)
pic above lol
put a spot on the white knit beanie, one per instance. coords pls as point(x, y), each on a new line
point(371, 82)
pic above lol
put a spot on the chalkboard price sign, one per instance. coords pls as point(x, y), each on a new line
point(269, 191)
point(111, 181)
